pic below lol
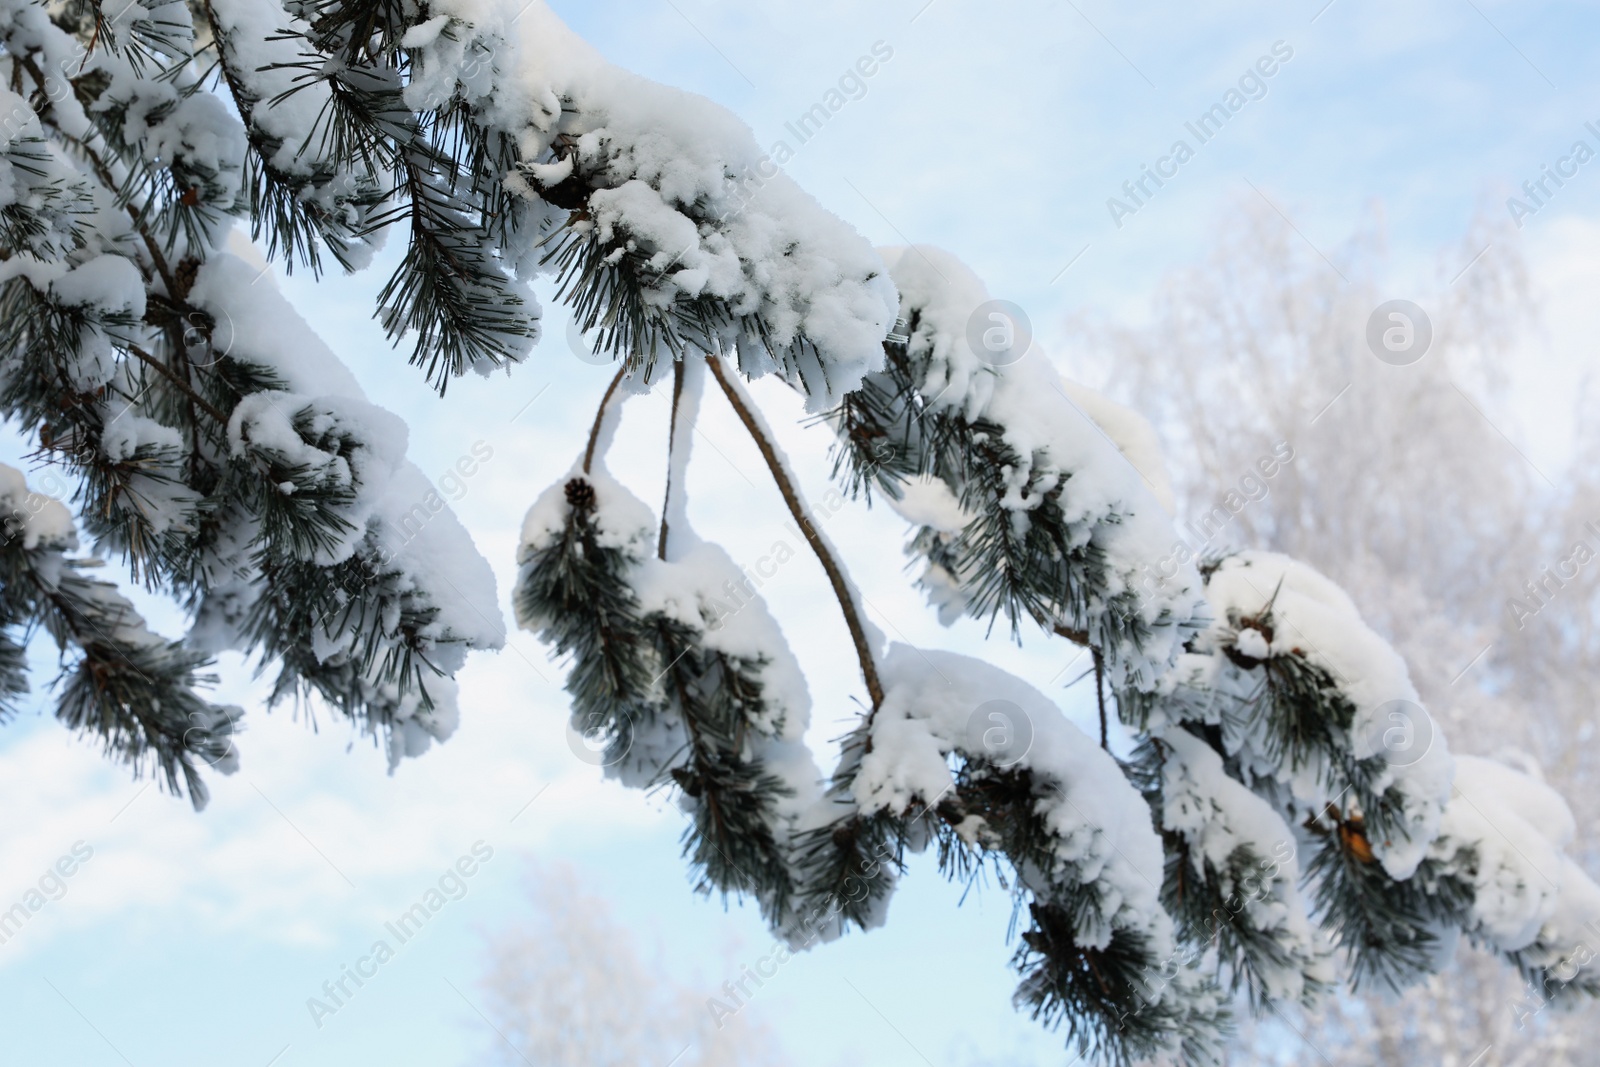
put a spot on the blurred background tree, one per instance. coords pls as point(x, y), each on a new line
point(572, 986)
point(1408, 483)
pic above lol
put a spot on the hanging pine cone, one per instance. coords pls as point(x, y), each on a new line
point(580, 495)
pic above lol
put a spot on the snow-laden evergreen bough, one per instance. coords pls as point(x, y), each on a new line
point(1287, 812)
point(221, 450)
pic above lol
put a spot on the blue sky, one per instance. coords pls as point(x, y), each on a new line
point(998, 134)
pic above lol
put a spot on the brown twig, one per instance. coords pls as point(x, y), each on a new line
point(672, 445)
point(94, 39)
point(599, 417)
point(1077, 637)
point(1081, 637)
point(183, 387)
point(1100, 697)
point(830, 566)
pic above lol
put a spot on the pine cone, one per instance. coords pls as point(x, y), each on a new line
point(687, 780)
point(1353, 836)
point(580, 495)
point(188, 270)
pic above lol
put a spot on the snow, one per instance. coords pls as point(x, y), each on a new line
point(104, 282)
point(674, 177)
point(256, 35)
point(927, 501)
point(621, 520)
point(1523, 792)
point(1251, 642)
point(127, 432)
point(264, 56)
point(37, 181)
point(673, 171)
point(42, 521)
point(703, 588)
point(45, 527)
point(442, 561)
point(39, 275)
point(1503, 833)
point(1105, 500)
point(26, 29)
point(1219, 816)
point(945, 594)
point(364, 448)
point(700, 587)
point(1313, 618)
point(1565, 946)
point(1132, 434)
point(1512, 867)
point(1101, 825)
point(194, 135)
point(104, 285)
point(1103, 845)
point(424, 33)
point(414, 727)
point(395, 511)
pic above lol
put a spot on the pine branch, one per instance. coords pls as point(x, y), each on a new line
point(178, 383)
point(1096, 973)
point(132, 690)
point(108, 180)
point(846, 866)
point(732, 797)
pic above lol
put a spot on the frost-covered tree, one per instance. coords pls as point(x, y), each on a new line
point(1289, 816)
point(1455, 525)
point(568, 986)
